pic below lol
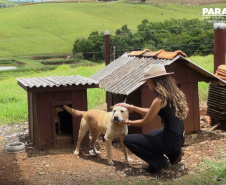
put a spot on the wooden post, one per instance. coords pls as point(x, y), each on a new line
point(219, 44)
point(107, 47)
point(114, 47)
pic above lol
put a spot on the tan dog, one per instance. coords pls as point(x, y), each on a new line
point(57, 118)
point(105, 122)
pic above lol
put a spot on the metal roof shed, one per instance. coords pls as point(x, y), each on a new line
point(44, 94)
point(121, 80)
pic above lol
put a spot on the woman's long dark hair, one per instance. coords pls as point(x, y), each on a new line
point(166, 87)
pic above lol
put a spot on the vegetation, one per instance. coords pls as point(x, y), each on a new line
point(52, 28)
point(210, 172)
point(194, 37)
point(8, 4)
point(31, 66)
point(207, 64)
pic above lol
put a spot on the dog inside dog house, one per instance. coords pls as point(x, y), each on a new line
point(49, 125)
point(63, 124)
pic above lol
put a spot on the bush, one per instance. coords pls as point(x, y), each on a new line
point(194, 37)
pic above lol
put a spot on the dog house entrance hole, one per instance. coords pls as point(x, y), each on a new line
point(63, 126)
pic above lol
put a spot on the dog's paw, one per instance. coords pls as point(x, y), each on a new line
point(94, 153)
point(76, 152)
point(129, 159)
point(111, 162)
point(97, 152)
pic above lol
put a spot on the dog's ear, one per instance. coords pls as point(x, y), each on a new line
point(130, 110)
point(111, 107)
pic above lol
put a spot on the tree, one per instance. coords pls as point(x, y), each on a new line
point(194, 37)
point(92, 48)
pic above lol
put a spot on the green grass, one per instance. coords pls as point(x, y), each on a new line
point(51, 28)
point(216, 170)
point(206, 63)
point(209, 172)
point(30, 66)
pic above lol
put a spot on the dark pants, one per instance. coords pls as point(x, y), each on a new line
point(151, 146)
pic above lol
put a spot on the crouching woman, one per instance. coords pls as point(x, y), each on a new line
point(159, 147)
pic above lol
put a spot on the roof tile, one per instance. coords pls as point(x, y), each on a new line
point(138, 53)
point(159, 54)
point(221, 72)
point(152, 53)
point(171, 55)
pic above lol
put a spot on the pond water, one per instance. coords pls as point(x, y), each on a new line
point(7, 68)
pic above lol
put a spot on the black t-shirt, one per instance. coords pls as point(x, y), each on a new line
point(173, 127)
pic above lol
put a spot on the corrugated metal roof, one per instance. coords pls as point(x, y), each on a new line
point(123, 75)
point(55, 81)
point(114, 66)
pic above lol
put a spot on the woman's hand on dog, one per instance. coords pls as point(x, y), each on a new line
point(128, 106)
point(124, 123)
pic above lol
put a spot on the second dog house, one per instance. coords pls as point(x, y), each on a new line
point(47, 93)
point(121, 79)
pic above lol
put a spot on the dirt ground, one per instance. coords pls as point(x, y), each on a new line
point(60, 166)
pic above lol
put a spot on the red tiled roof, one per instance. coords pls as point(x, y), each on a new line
point(171, 55)
point(221, 72)
point(159, 54)
point(138, 53)
point(153, 53)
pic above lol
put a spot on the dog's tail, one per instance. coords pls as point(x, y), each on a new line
point(73, 112)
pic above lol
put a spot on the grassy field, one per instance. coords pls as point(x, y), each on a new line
point(207, 64)
point(31, 66)
point(51, 28)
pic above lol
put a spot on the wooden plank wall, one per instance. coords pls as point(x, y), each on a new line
point(79, 102)
point(43, 122)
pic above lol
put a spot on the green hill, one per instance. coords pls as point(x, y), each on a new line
point(51, 28)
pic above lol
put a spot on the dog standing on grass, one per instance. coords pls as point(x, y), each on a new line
point(105, 122)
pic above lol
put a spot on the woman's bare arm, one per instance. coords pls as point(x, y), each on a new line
point(152, 112)
point(139, 110)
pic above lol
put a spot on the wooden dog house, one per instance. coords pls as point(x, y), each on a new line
point(121, 81)
point(43, 95)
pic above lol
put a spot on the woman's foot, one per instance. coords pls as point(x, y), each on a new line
point(150, 169)
point(176, 157)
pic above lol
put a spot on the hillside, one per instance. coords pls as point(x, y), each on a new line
point(192, 2)
point(51, 28)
